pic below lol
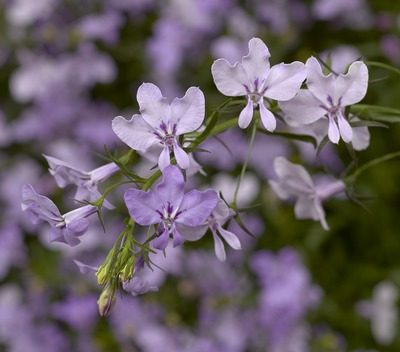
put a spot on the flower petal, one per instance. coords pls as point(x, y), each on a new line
point(143, 206)
point(304, 108)
point(135, 133)
point(352, 87)
point(164, 159)
point(333, 131)
point(361, 137)
point(320, 86)
point(196, 207)
point(177, 237)
point(345, 129)
point(219, 248)
point(192, 233)
point(64, 173)
point(308, 208)
point(188, 112)
point(246, 115)
point(284, 80)
point(170, 190)
point(154, 107)
point(182, 158)
point(230, 238)
point(256, 62)
point(161, 242)
point(230, 80)
point(267, 118)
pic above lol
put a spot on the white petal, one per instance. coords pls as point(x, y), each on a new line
point(352, 87)
point(188, 112)
point(164, 159)
point(361, 137)
point(219, 248)
point(304, 108)
point(256, 62)
point(320, 86)
point(345, 129)
point(136, 133)
point(229, 79)
point(246, 115)
point(182, 158)
point(333, 131)
point(284, 80)
point(154, 108)
point(230, 238)
point(267, 118)
point(308, 208)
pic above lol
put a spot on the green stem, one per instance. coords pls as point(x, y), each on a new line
point(384, 66)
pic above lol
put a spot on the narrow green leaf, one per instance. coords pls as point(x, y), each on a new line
point(298, 137)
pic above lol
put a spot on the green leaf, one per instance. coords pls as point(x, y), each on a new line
point(297, 137)
point(384, 66)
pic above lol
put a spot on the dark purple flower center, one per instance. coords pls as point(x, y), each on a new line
point(166, 134)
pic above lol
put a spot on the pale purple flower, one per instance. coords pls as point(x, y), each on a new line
point(66, 228)
point(176, 213)
point(295, 182)
point(138, 286)
point(382, 312)
point(220, 215)
point(327, 98)
point(86, 181)
point(162, 123)
point(254, 78)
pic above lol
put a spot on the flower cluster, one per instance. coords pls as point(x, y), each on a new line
point(162, 212)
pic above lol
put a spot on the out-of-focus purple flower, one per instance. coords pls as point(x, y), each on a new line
point(104, 27)
point(339, 58)
point(382, 312)
point(79, 312)
point(287, 293)
point(138, 286)
point(65, 228)
point(168, 206)
point(390, 46)
point(22, 13)
point(253, 78)
point(162, 123)
point(327, 97)
point(86, 181)
point(295, 181)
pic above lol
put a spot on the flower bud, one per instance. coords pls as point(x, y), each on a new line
point(106, 300)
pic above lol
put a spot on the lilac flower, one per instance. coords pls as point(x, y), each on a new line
point(65, 228)
point(176, 213)
point(162, 123)
point(381, 310)
point(327, 97)
point(221, 214)
point(87, 182)
point(295, 181)
point(254, 79)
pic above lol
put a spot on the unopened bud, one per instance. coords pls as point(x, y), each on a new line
point(106, 300)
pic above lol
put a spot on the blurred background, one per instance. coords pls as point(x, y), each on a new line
point(67, 67)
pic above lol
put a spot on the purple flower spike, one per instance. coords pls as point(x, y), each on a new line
point(161, 123)
point(177, 214)
point(65, 228)
point(255, 79)
point(87, 182)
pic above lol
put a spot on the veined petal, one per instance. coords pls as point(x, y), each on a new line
point(170, 190)
point(161, 242)
point(188, 112)
point(78, 227)
point(182, 158)
point(352, 87)
point(267, 118)
point(345, 129)
point(284, 80)
point(230, 80)
point(320, 86)
point(219, 247)
point(256, 62)
point(154, 107)
point(135, 133)
point(40, 207)
point(230, 238)
point(196, 207)
point(143, 206)
point(64, 173)
point(246, 115)
point(333, 131)
point(303, 109)
point(164, 159)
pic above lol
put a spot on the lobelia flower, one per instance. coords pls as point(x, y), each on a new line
point(161, 123)
point(381, 310)
point(87, 182)
point(65, 228)
point(295, 181)
point(327, 97)
point(254, 78)
point(176, 213)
